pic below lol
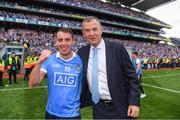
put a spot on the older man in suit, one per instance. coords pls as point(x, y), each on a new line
point(111, 85)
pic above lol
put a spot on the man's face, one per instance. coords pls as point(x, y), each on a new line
point(13, 55)
point(64, 43)
point(92, 31)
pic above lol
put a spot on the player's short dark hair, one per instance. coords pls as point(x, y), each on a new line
point(65, 30)
point(135, 53)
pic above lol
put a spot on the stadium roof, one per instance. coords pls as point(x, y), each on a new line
point(143, 5)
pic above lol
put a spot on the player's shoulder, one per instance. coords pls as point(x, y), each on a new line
point(115, 43)
point(77, 57)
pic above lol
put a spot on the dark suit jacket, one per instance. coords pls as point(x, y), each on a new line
point(122, 78)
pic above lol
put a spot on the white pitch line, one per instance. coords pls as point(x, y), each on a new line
point(25, 88)
point(161, 75)
point(174, 91)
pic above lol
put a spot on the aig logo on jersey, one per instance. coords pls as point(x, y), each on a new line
point(65, 79)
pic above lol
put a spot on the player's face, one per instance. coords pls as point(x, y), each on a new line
point(132, 55)
point(92, 31)
point(64, 43)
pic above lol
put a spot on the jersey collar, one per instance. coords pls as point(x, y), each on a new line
point(58, 56)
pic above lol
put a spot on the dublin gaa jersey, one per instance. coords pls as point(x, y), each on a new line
point(64, 85)
point(135, 62)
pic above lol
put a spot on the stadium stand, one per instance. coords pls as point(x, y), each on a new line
point(34, 23)
point(107, 7)
point(28, 26)
point(176, 41)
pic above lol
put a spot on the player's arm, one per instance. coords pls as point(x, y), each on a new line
point(37, 75)
point(138, 65)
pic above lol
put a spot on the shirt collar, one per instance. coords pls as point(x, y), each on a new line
point(58, 56)
point(100, 46)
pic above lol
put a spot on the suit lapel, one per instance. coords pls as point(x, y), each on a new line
point(86, 58)
point(108, 58)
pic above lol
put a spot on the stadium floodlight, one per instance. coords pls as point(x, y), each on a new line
point(170, 43)
point(104, 0)
point(165, 42)
point(161, 42)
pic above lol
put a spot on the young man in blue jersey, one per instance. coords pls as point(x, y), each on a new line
point(64, 72)
point(137, 65)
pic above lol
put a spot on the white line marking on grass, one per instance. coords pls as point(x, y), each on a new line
point(174, 91)
point(161, 75)
point(25, 88)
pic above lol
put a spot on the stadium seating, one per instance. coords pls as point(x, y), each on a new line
point(136, 35)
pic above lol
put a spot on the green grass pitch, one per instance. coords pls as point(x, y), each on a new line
point(162, 87)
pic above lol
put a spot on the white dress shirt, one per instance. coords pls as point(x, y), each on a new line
point(102, 77)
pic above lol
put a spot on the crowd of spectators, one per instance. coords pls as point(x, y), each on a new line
point(147, 49)
point(77, 24)
point(2, 44)
point(39, 39)
point(108, 7)
point(64, 22)
point(63, 12)
point(35, 39)
point(2, 40)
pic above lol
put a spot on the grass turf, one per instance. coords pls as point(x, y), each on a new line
point(19, 103)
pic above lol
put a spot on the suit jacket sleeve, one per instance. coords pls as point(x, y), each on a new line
point(131, 76)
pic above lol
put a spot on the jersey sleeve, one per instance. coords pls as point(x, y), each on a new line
point(137, 61)
point(44, 66)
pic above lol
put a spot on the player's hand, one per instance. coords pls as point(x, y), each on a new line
point(133, 111)
point(44, 55)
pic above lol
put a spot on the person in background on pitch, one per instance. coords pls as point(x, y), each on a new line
point(13, 64)
point(111, 85)
point(2, 65)
point(64, 73)
point(27, 65)
point(137, 65)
